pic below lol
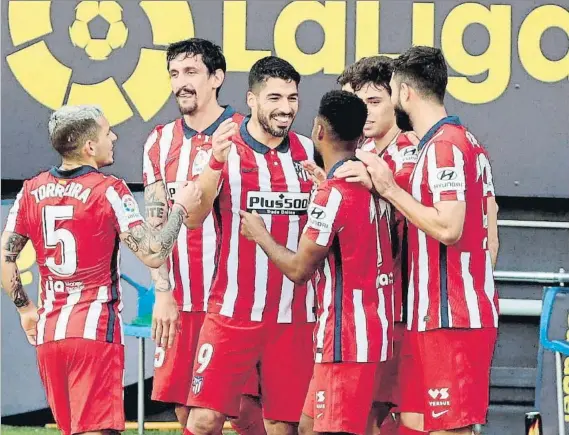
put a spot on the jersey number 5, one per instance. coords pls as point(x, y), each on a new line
point(60, 237)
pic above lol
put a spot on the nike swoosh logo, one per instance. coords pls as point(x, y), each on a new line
point(320, 415)
point(438, 414)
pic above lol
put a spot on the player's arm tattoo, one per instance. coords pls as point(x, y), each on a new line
point(156, 207)
point(154, 245)
point(12, 245)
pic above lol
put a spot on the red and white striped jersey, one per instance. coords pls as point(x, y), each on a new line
point(175, 153)
point(354, 285)
point(273, 183)
point(452, 286)
point(401, 156)
point(73, 219)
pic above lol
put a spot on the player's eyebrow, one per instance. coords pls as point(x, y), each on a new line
point(274, 94)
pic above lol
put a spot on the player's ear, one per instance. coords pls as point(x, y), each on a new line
point(251, 99)
point(219, 78)
point(89, 148)
point(404, 92)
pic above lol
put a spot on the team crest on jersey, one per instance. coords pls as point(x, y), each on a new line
point(200, 161)
point(197, 384)
point(300, 171)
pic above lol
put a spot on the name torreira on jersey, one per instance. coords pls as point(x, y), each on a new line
point(53, 190)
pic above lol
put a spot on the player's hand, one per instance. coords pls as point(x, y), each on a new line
point(381, 175)
point(221, 139)
point(189, 195)
point(29, 320)
point(316, 173)
point(165, 319)
point(354, 172)
point(252, 225)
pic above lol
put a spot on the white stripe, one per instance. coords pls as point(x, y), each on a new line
point(48, 308)
point(459, 165)
point(165, 145)
point(411, 296)
point(94, 313)
point(423, 263)
point(469, 292)
point(332, 207)
point(489, 287)
point(325, 312)
point(116, 203)
point(432, 173)
point(287, 291)
point(234, 169)
point(360, 327)
point(310, 307)
point(307, 144)
point(384, 324)
point(147, 169)
point(209, 240)
point(13, 214)
point(184, 260)
point(64, 314)
point(261, 259)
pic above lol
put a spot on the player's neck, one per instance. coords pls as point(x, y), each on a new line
point(205, 116)
point(261, 135)
point(333, 157)
point(68, 165)
point(426, 116)
point(383, 142)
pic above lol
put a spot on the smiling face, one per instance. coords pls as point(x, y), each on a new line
point(381, 115)
point(275, 105)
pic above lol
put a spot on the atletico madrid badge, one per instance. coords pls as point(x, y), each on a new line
point(197, 384)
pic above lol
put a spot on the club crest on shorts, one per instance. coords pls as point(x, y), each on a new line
point(197, 384)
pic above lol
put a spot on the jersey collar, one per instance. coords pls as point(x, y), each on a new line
point(72, 173)
point(454, 120)
point(258, 146)
point(338, 164)
point(189, 132)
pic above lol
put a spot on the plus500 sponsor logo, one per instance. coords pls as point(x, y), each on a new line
point(276, 203)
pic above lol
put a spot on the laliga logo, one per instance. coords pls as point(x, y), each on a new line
point(49, 81)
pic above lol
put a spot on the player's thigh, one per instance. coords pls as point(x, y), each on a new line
point(410, 374)
point(173, 366)
point(52, 367)
point(287, 361)
point(227, 352)
point(387, 374)
point(456, 377)
point(342, 396)
point(95, 376)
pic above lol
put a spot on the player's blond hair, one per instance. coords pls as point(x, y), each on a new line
point(71, 126)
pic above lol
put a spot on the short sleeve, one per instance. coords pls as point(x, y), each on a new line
point(151, 158)
point(123, 205)
point(324, 219)
point(446, 172)
point(17, 219)
point(405, 159)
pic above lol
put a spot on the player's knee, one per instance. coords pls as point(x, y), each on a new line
point(273, 427)
point(205, 421)
point(412, 420)
point(182, 414)
point(306, 426)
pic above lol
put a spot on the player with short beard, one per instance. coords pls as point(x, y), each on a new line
point(256, 317)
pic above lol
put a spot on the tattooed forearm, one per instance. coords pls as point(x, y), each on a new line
point(161, 279)
point(13, 246)
point(18, 294)
point(155, 204)
point(148, 241)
